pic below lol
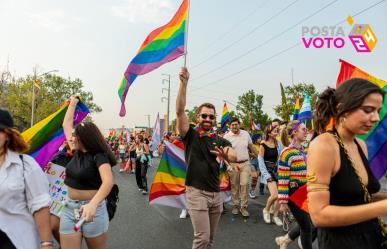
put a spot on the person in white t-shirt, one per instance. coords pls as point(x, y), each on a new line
point(241, 170)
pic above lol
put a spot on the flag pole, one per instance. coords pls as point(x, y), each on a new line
point(186, 36)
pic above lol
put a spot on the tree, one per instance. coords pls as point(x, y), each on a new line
point(289, 96)
point(192, 114)
point(249, 108)
point(54, 91)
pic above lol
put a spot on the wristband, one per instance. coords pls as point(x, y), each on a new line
point(44, 243)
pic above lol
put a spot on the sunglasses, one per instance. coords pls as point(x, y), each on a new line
point(205, 116)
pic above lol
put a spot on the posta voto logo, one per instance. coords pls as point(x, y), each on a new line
point(362, 37)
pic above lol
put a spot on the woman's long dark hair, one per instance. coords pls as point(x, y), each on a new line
point(334, 103)
point(267, 132)
point(93, 141)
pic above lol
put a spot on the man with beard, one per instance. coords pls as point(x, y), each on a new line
point(204, 151)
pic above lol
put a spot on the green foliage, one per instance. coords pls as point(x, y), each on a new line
point(249, 108)
point(192, 114)
point(289, 96)
point(16, 96)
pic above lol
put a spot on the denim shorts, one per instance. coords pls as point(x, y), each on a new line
point(254, 163)
point(98, 226)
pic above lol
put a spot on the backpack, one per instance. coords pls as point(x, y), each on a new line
point(111, 201)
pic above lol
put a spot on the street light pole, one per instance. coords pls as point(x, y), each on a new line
point(33, 98)
point(35, 78)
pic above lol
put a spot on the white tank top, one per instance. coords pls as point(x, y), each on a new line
point(139, 151)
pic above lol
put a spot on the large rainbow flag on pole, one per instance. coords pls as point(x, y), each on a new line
point(162, 45)
point(376, 139)
point(226, 118)
point(47, 136)
point(168, 187)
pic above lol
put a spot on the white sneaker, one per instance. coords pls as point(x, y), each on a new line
point(299, 242)
point(283, 241)
point(122, 170)
point(277, 221)
point(183, 214)
point(266, 216)
point(252, 194)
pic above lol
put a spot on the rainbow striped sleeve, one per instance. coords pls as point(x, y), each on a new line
point(284, 175)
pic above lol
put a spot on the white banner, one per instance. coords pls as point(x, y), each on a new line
point(58, 190)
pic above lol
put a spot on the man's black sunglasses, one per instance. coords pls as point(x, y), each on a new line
point(205, 116)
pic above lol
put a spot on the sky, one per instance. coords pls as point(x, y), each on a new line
point(233, 46)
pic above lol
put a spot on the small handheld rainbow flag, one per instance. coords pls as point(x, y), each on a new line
point(297, 108)
point(47, 136)
point(162, 45)
point(225, 118)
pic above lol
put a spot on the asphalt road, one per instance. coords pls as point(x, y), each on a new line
point(137, 225)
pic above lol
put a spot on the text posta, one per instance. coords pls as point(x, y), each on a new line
point(326, 36)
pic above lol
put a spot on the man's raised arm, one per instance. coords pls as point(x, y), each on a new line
point(181, 116)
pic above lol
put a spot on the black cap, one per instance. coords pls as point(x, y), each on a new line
point(6, 120)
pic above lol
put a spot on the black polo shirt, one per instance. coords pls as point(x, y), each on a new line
point(203, 169)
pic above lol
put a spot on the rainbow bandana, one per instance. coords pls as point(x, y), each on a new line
point(203, 133)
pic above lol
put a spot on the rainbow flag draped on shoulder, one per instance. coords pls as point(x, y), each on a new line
point(162, 45)
point(376, 139)
point(168, 187)
point(47, 136)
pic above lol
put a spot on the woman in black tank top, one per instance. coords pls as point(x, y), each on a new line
point(267, 159)
point(341, 185)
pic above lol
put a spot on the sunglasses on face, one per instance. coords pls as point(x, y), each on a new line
point(205, 116)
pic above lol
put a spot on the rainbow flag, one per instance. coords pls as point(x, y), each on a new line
point(297, 108)
point(47, 136)
point(300, 198)
point(306, 109)
point(161, 46)
point(376, 139)
point(168, 187)
point(226, 118)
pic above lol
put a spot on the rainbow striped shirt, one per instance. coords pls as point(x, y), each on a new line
point(291, 170)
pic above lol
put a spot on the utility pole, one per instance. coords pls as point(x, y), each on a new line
point(169, 96)
point(148, 120)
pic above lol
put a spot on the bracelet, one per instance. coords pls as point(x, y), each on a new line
point(44, 243)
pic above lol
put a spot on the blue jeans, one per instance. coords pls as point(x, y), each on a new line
point(98, 226)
